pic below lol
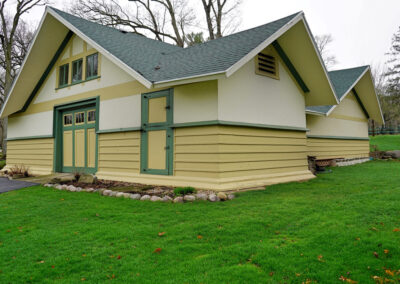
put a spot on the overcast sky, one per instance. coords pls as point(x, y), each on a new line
point(361, 29)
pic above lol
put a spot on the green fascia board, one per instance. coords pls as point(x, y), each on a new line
point(30, 137)
point(236, 123)
point(47, 71)
point(115, 130)
point(337, 137)
point(290, 66)
point(360, 103)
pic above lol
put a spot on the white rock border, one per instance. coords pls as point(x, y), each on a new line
point(201, 196)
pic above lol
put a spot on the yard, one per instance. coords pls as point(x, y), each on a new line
point(386, 142)
point(343, 225)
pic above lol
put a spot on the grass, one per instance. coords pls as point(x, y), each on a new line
point(318, 230)
point(386, 142)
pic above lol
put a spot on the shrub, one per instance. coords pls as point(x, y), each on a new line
point(19, 170)
point(184, 190)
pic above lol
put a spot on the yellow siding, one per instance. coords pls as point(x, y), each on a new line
point(36, 154)
point(119, 152)
point(228, 151)
point(324, 148)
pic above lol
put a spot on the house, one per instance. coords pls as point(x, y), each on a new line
point(226, 114)
point(341, 131)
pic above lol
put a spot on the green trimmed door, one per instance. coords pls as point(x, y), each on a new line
point(79, 140)
point(157, 135)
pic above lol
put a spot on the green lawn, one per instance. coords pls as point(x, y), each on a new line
point(317, 230)
point(386, 142)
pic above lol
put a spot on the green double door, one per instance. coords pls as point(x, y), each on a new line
point(157, 134)
point(79, 140)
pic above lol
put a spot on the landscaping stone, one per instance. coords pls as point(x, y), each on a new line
point(59, 187)
point(135, 196)
point(166, 199)
point(145, 197)
point(222, 196)
point(87, 179)
point(89, 190)
point(178, 199)
point(155, 198)
point(113, 193)
point(106, 192)
point(231, 196)
point(119, 194)
point(201, 196)
point(189, 198)
point(126, 195)
point(64, 186)
point(213, 198)
point(394, 154)
point(70, 187)
point(79, 189)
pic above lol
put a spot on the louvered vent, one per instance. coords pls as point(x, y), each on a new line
point(267, 65)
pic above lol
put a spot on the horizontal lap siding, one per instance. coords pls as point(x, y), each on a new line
point(119, 152)
point(36, 154)
point(225, 151)
point(337, 148)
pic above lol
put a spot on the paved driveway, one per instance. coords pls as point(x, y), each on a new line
point(8, 185)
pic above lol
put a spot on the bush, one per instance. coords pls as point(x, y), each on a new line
point(19, 170)
point(184, 190)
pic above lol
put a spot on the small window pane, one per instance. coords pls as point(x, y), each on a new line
point(67, 119)
point(77, 70)
point(79, 117)
point(91, 116)
point(63, 76)
point(91, 65)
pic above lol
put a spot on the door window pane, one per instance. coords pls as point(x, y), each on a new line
point(77, 71)
point(79, 118)
point(91, 116)
point(91, 66)
point(63, 76)
point(67, 119)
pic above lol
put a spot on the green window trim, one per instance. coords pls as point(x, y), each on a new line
point(92, 66)
point(63, 75)
point(77, 71)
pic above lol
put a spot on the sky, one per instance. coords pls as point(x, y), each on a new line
point(361, 29)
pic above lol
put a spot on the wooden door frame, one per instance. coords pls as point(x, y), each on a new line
point(58, 129)
point(145, 126)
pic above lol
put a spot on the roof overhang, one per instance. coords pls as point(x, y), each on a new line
point(48, 37)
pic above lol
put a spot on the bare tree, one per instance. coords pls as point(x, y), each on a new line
point(14, 40)
point(323, 42)
point(165, 20)
point(221, 16)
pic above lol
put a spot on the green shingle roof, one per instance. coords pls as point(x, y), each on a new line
point(342, 81)
point(143, 54)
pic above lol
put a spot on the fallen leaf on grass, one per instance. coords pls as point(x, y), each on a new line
point(376, 254)
point(271, 273)
point(386, 251)
point(348, 280)
point(83, 255)
point(161, 234)
point(199, 237)
point(42, 261)
point(83, 279)
point(374, 229)
point(52, 266)
point(389, 272)
point(396, 230)
point(157, 250)
point(118, 257)
point(320, 258)
point(298, 274)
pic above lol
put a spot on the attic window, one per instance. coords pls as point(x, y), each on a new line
point(267, 65)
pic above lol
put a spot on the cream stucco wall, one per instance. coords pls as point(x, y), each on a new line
point(251, 98)
point(37, 124)
point(347, 120)
point(122, 112)
point(196, 102)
